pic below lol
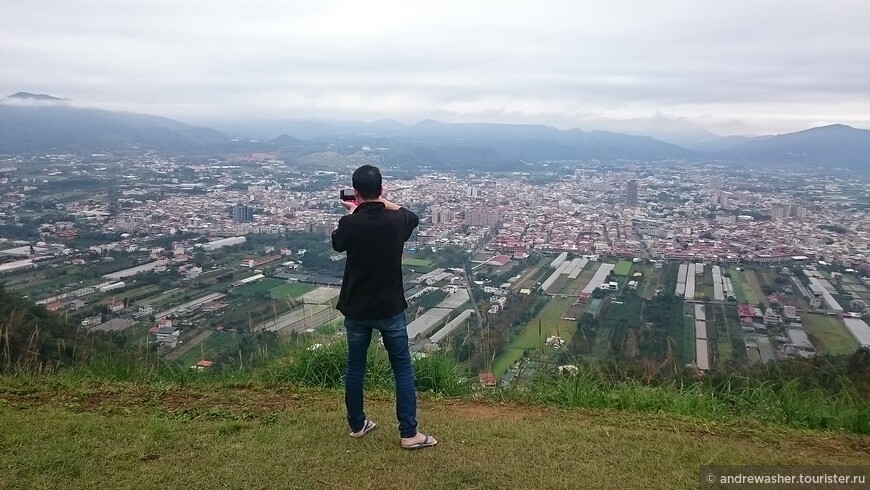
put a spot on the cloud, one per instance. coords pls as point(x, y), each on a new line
point(728, 66)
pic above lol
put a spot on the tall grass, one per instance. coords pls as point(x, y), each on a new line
point(324, 367)
point(789, 403)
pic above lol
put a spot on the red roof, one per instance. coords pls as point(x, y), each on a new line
point(499, 260)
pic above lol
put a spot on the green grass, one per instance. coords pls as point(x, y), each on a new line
point(416, 262)
point(324, 367)
point(551, 324)
point(259, 287)
point(830, 334)
point(623, 267)
point(135, 435)
point(742, 288)
point(291, 290)
point(216, 344)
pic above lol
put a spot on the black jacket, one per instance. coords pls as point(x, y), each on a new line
point(373, 238)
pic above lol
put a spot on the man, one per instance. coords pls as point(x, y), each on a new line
point(372, 298)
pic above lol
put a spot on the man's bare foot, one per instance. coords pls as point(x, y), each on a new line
point(419, 441)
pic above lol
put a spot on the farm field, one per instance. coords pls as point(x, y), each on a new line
point(742, 288)
point(214, 345)
point(829, 334)
point(416, 262)
point(573, 287)
point(753, 282)
point(623, 267)
point(290, 290)
point(652, 282)
point(259, 287)
point(550, 317)
point(532, 274)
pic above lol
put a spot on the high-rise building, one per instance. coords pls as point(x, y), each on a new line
point(442, 215)
point(631, 193)
point(779, 211)
point(481, 218)
point(798, 211)
point(242, 213)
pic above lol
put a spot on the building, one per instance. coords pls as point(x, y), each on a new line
point(116, 305)
point(631, 193)
point(477, 217)
point(165, 332)
point(442, 215)
point(224, 242)
point(242, 213)
point(797, 211)
point(779, 211)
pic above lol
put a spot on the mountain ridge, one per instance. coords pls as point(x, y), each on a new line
point(51, 124)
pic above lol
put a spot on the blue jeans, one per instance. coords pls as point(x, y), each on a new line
point(395, 335)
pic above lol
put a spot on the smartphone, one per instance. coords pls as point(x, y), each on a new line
point(347, 195)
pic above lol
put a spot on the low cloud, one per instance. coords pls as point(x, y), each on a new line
point(729, 67)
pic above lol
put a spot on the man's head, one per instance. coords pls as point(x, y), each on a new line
point(367, 182)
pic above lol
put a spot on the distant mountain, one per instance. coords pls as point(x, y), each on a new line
point(479, 145)
point(836, 145)
point(724, 143)
point(39, 123)
point(35, 97)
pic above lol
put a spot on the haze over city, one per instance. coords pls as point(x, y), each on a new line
point(636, 67)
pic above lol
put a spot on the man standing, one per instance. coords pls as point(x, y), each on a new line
point(373, 298)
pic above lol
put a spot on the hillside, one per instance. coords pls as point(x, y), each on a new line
point(43, 124)
point(836, 145)
point(59, 434)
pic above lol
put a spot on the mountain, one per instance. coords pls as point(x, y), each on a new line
point(724, 143)
point(480, 145)
point(39, 123)
point(27, 96)
point(836, 145)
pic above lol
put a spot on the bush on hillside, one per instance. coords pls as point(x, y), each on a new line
point(34, 339)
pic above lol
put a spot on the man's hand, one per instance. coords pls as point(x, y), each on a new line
point(389, 205)
point(350, 206)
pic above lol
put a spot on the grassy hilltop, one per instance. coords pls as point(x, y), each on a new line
point(77, 412)
point(58, 434)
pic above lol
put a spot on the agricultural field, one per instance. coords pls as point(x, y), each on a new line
point(551, 321)
point(651, 283)
point(573, 287)
point(752, 282)
point(259, 287)
point(290, 290)
point(828, 334)
point(742, 288)
point(411, 262)
point(623, 268)
point(530, 275)
point(216, 344)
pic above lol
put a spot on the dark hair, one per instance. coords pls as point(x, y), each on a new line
point(367, 181)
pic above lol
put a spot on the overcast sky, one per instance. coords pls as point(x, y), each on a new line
point(731, 66)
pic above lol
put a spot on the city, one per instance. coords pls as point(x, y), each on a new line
point(170, 253)
point(434, 245)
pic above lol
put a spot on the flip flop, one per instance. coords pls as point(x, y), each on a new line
point(369, 425)
point(421, 445)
